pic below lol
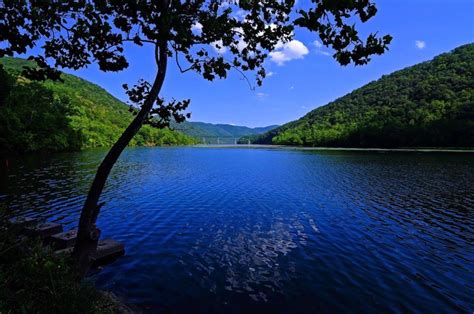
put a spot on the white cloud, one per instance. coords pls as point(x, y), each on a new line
point(292, 50)
point(420, 44)
point(241, 45)
point(197, 27)
point(270, 74)
point(219, 47)
point(291, 88)
point(279, 45)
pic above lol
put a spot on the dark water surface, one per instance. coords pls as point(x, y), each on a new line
point(254, 230)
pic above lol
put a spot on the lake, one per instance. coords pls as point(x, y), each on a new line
point(270, 230)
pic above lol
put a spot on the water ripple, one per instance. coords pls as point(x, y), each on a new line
point(236, 230)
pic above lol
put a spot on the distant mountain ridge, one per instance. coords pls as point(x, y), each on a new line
point(430, 104)
point(209, 132)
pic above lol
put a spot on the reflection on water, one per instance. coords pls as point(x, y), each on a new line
point(237, 230)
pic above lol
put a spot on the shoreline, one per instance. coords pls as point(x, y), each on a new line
point(372, 149)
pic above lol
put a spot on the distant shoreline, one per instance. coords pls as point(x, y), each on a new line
point(420, 149)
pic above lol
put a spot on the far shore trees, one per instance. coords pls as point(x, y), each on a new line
point(210, 38)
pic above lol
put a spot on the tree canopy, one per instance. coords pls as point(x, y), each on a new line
point(76, 34)
point(70, 115)
point(430, 104)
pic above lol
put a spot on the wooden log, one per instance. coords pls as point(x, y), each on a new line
point(52, 234)
point(63, 240)
point(108, 250)
point(43, 230)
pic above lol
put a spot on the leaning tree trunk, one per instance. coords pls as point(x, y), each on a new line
point(88, 234)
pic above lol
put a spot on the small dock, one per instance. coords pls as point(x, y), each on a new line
point(62, 242)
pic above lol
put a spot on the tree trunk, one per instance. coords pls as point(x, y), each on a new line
point(88, 234)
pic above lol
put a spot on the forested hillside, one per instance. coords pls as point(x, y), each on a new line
point(430, 104)
point(57, 116)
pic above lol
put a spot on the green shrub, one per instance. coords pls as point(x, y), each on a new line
point(36, 280)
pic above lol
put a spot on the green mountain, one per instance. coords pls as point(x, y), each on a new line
point(430, 104)
point(226, 133)
point(59, 116)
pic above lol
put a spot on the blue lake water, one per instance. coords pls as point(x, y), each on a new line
point(257, 230)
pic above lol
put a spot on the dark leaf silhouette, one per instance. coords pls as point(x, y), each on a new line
point(194, 33)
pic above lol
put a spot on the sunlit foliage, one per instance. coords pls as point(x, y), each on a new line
point(76, 114)
point(430, 104)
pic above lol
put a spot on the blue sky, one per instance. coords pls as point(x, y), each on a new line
point(421, 29)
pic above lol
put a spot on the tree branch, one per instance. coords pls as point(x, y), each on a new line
point(177, 61)
point(142, 40)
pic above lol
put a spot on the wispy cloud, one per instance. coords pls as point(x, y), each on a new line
point(420, 44)
point(319, 48)
point(317, 44)
point(291, 88)
point(261, 95)
point(291, 50)
point(270, 73)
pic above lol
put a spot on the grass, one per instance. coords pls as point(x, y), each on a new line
point(36, 280)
